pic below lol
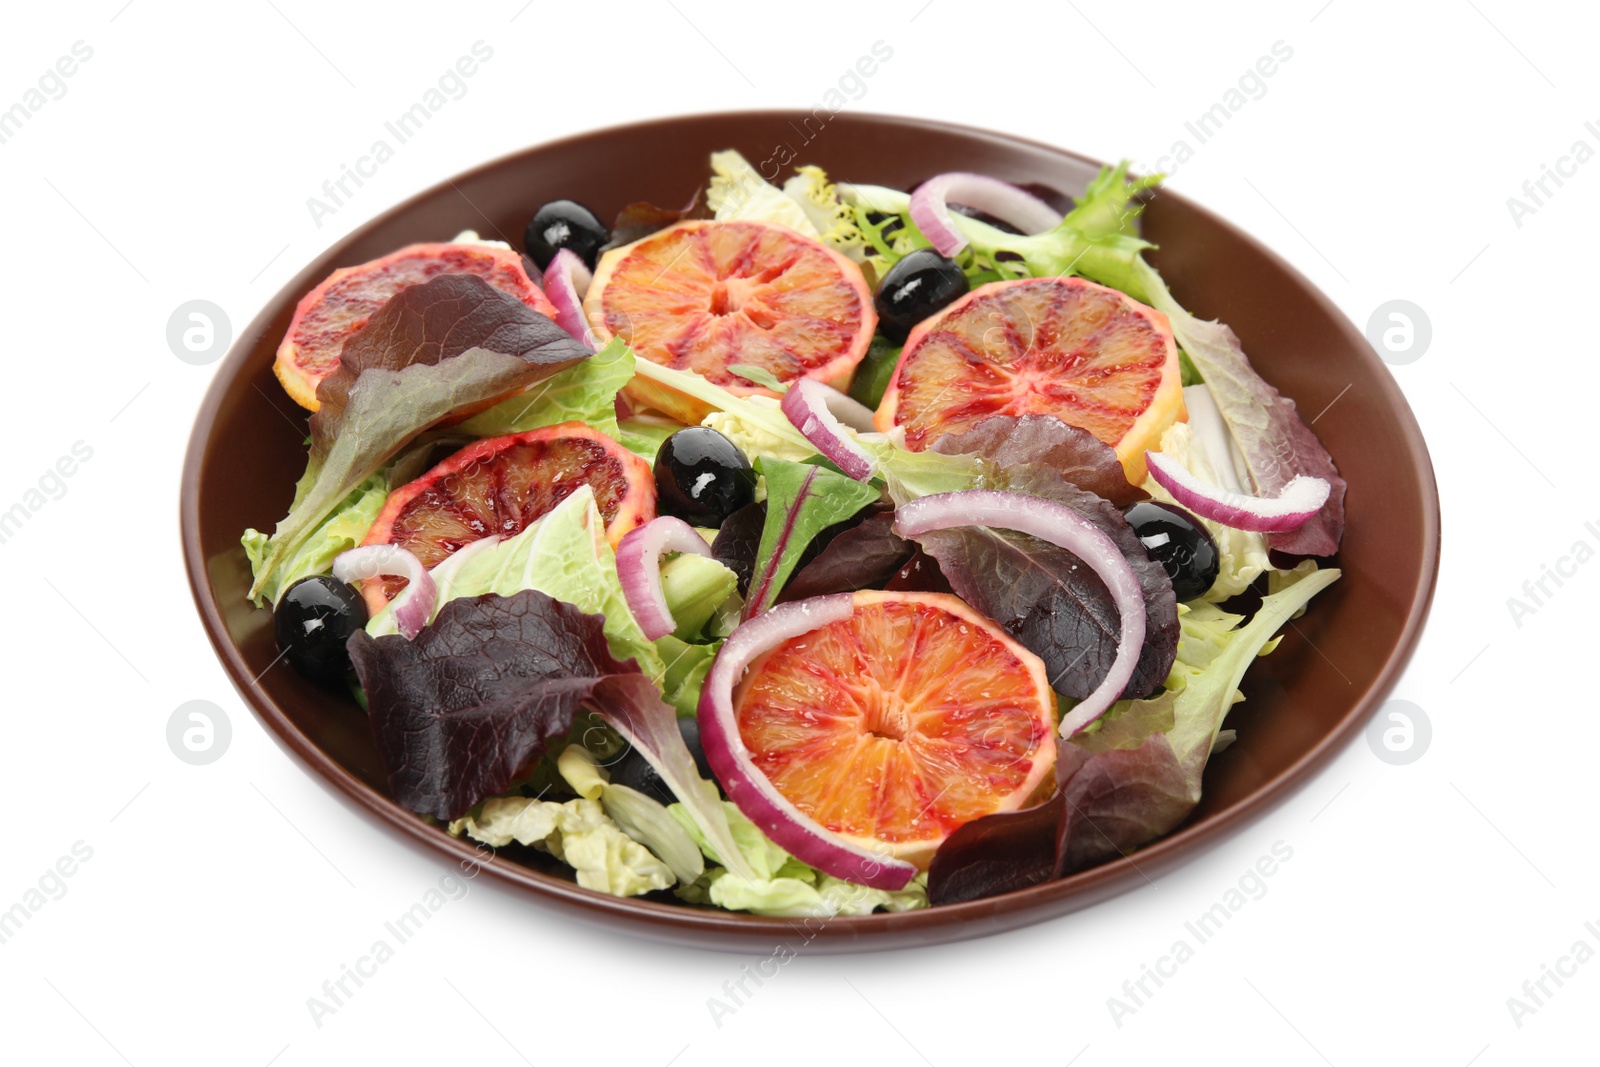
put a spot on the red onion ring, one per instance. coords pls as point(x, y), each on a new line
point(807, 404)
point(848, 410)
point(413, 607)
point(754, 794)
point(1065, 528)
point(565, 282)
point(931, 212)
point(1291, 509)
point(639, 569)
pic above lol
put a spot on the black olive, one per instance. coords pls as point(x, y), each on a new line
point(1176, 540)
point(919, 285)
point(564, 224)
point(313, 620)
point(702, 477)
point(635, 772)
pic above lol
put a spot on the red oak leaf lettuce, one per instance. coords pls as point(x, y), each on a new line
point(461, 713)
point(863, 556)
point(1030, 453)
point(435, 321)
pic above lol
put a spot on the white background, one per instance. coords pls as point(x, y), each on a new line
point(219, 898)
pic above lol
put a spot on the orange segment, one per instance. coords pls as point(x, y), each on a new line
point(901, 723)
point(500, 485)
point(706, 295)
point(1089, 355)
point(327, 315)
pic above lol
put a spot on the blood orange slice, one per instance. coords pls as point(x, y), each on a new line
point(707, 295)
point(1089, 355)
point(901, 722)
point(502, 484)
point(327, 315)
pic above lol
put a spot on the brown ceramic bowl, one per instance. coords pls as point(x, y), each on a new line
point(1305, 702)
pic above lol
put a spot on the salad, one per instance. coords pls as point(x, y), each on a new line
point(813, 549)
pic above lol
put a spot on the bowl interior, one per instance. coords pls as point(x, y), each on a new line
point(1316, 691)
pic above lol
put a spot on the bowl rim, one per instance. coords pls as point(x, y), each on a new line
point(738, 931)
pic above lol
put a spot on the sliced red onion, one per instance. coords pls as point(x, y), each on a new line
point(1065, 528)
point(1212, 438)
point(639, 569)
point(807, 406)
point(566, 280)
point(1296, 503)
point(752, 791)
point(931, 212)
point(413, 607)
point(848, 410)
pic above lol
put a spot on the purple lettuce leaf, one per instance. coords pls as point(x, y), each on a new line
point(1034, 453)
point(435, 321)
point(1050, 601)
point(863, 556)
point(1113, 801)
point(642, 218)
point(1058, 608)
point(461, 712)
point(1043, 595)
point(1274, 440)
point(737, 540)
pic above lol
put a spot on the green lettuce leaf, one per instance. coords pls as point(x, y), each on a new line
point(782, 885)
point(1111, 203)
point(579, 833)
point(564, 554)
point(758, 439)
point(738, 192)
point(342, 530)
point(1214, 652)
point(802, 501)
point(585, 393)
point(687, 665)
point(833, 218)
point(642, 818)
point(643, 434)
point(876, 369)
